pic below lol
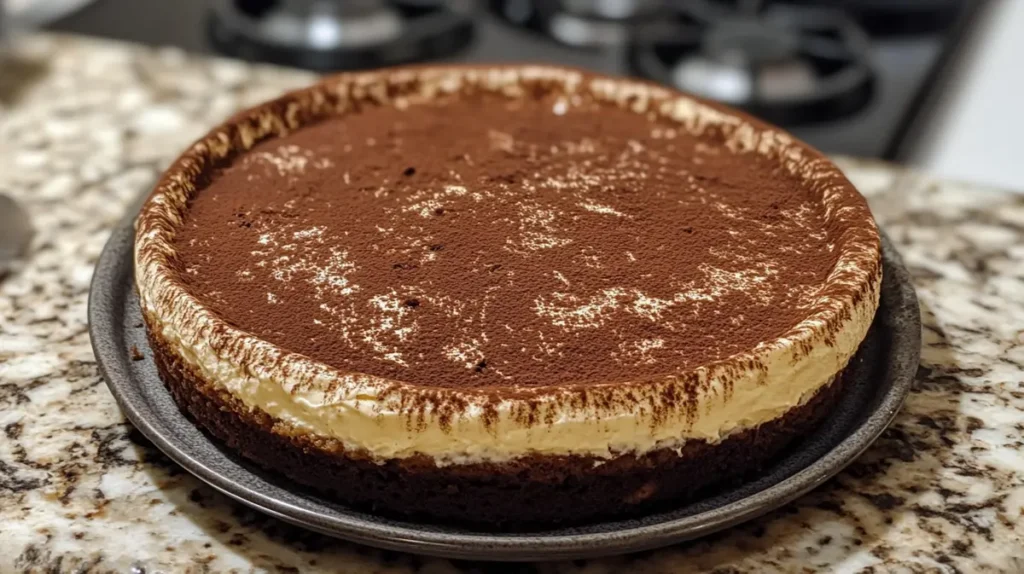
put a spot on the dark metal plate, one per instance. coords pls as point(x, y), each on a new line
point(882, 374)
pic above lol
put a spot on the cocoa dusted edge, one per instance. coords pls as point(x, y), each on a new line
point(536, 455)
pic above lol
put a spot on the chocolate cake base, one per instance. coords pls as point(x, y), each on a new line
point(526, 494)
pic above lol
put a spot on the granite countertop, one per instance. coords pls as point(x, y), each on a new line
point(86, 126)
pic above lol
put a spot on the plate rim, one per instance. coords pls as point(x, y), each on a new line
point(404, 536)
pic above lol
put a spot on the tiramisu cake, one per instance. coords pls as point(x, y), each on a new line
point(508, 297)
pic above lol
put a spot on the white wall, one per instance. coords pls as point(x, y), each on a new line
point(977, 131)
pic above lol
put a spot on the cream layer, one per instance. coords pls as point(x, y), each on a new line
point(359, 411)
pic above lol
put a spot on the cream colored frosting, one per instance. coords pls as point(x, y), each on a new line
point(387, 419)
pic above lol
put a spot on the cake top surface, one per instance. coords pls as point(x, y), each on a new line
point(480, 240)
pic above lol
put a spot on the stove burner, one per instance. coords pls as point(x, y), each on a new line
point(885, 17)
point(335, 35)
point(785, 66)
point(581, 23)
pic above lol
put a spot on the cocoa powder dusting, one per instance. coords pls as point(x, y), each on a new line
point(487, 240)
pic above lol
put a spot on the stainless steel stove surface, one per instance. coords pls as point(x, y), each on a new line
point(848, 76)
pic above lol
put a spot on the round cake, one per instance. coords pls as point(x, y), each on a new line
point(506, 297)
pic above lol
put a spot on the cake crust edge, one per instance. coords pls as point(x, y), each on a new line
point(536, 491)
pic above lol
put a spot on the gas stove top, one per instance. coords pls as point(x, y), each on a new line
point(848, 76)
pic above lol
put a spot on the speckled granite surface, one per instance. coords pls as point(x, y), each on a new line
point(85, 126)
